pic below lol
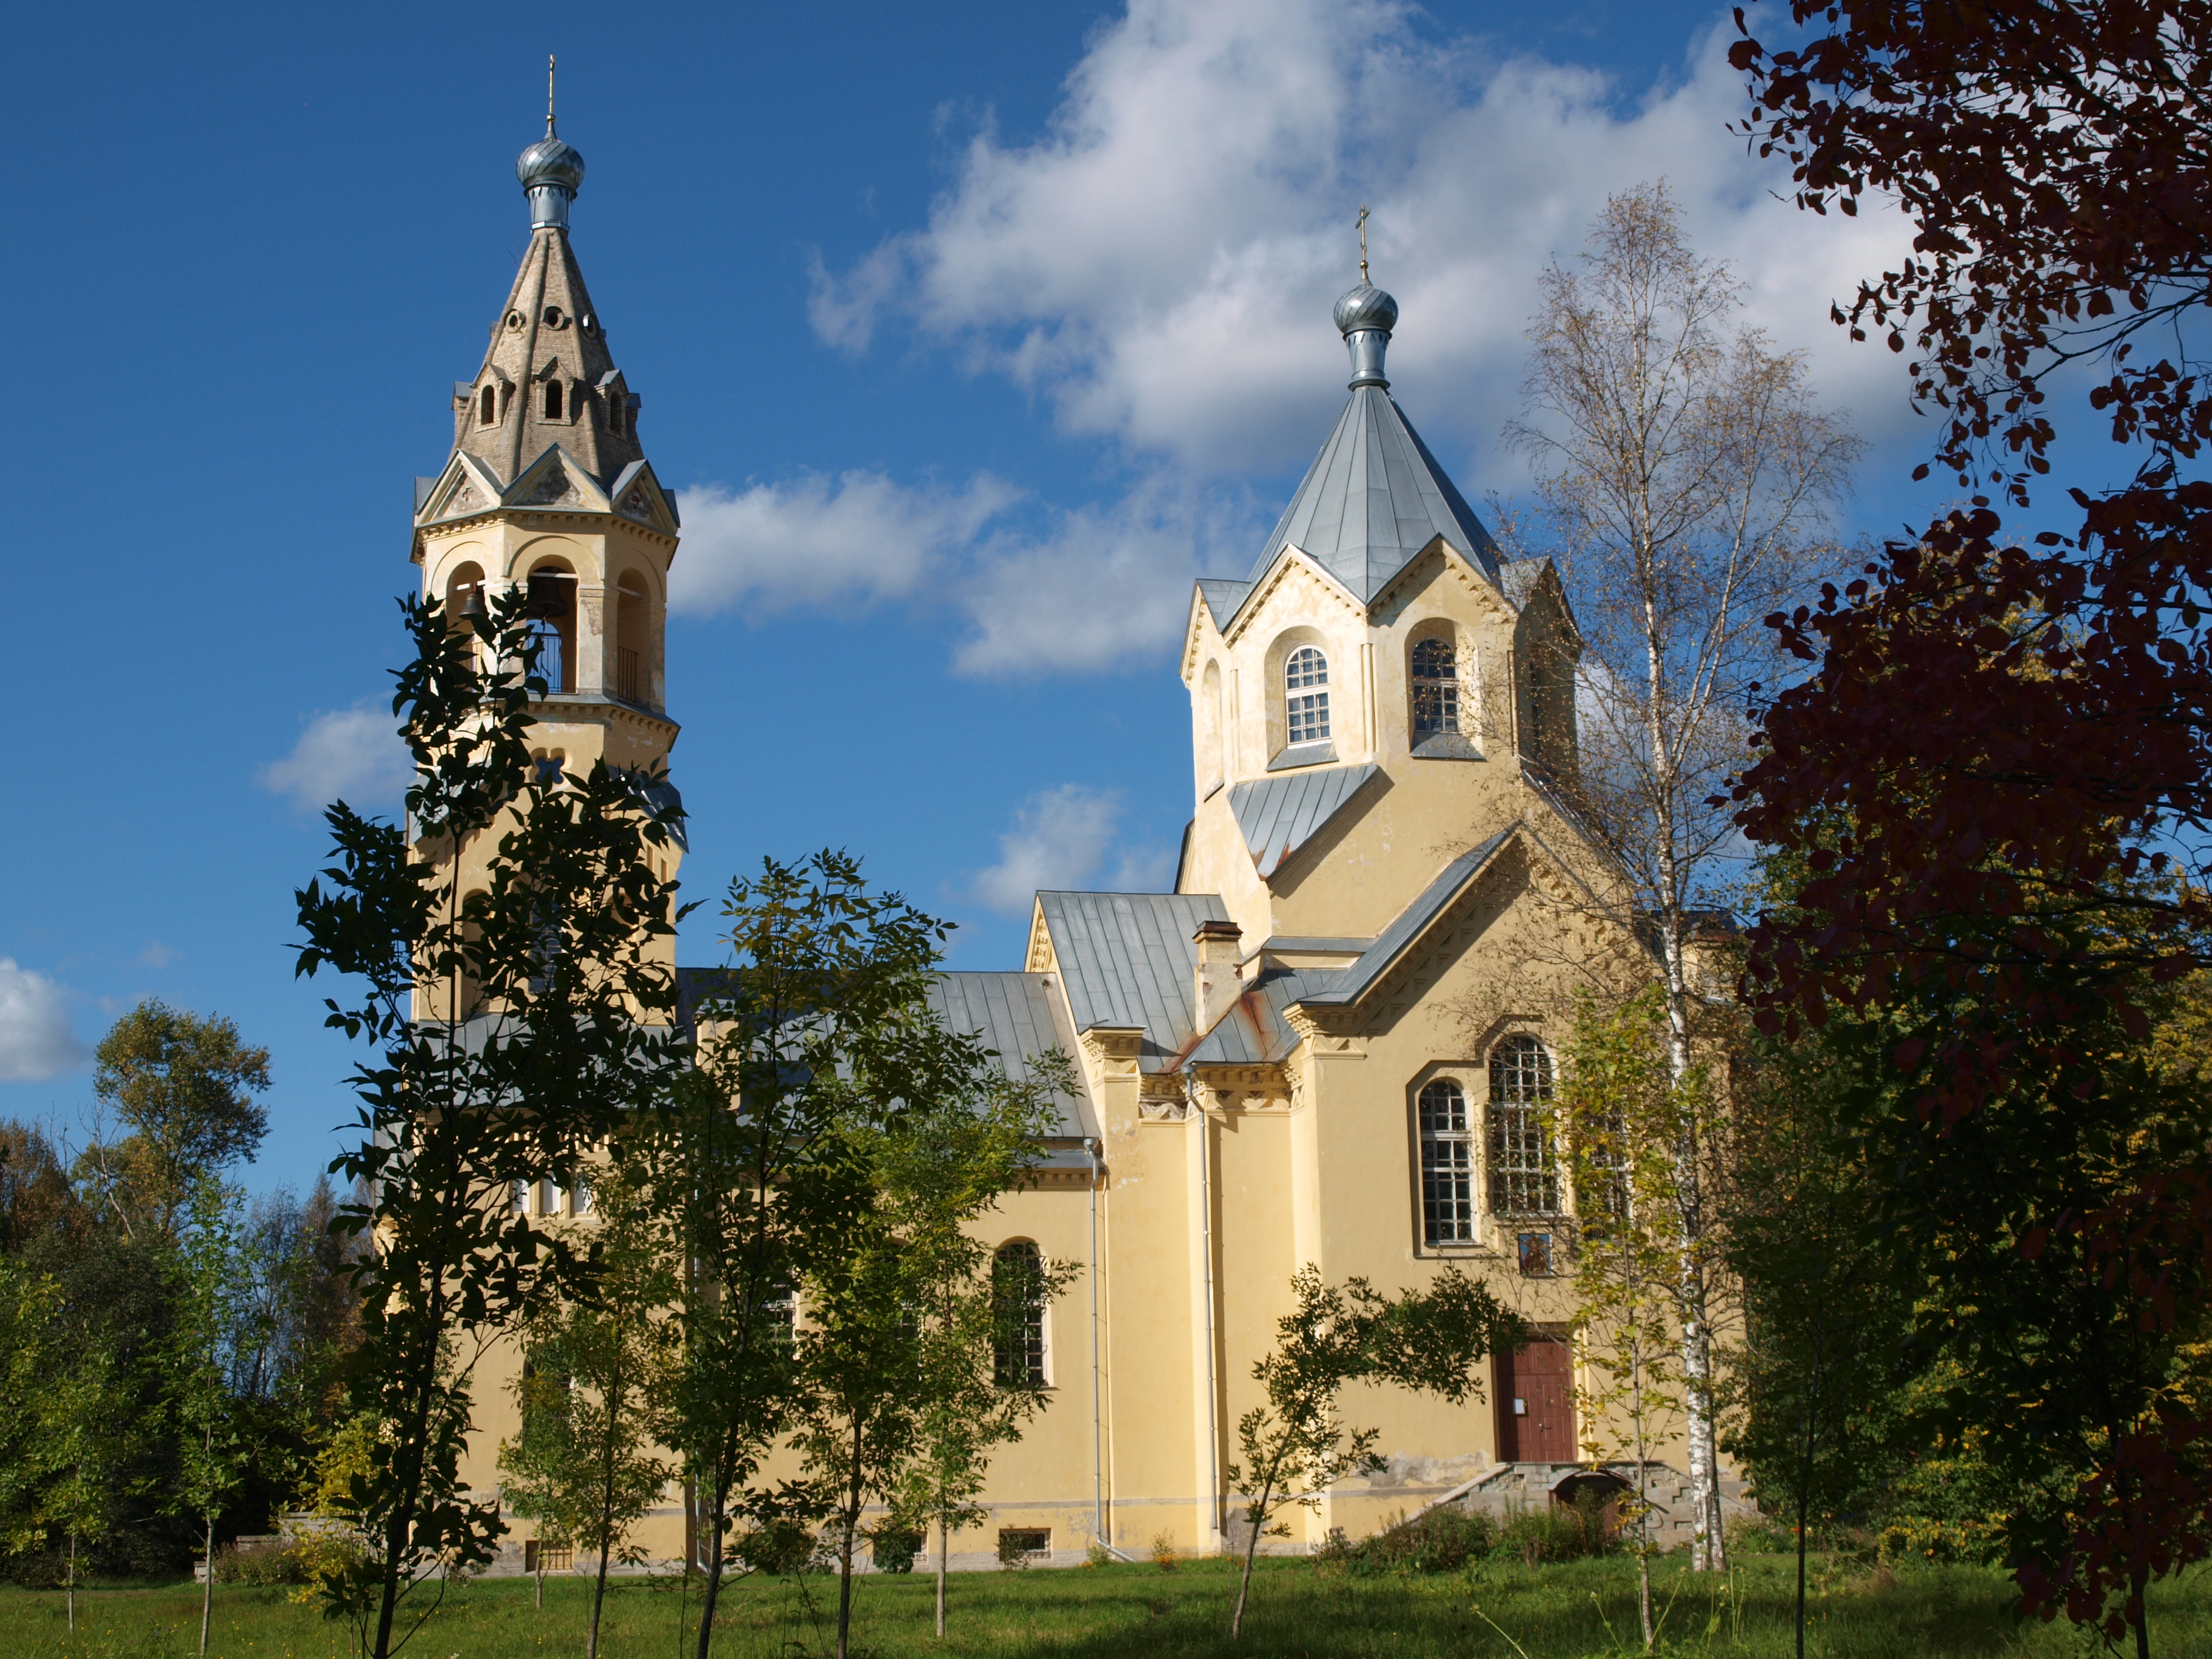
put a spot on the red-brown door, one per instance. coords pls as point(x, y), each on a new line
point(1536, 1404)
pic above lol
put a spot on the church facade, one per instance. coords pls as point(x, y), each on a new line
point(1331, 1044)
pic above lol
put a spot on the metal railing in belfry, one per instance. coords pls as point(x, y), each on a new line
point(629, 677)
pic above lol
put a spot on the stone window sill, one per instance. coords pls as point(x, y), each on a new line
point(1305, 754)
point(1446, 745)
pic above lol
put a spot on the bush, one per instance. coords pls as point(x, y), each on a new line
point(261, 1561)
point(895, 1548)
point(1438, 1541)
point(1556, 1533)
point(1165, 1552)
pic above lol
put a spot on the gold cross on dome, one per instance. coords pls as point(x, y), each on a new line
point(549, 92)
point(1363, 241)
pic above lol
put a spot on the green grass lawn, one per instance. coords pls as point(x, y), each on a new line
point(1560, 1612)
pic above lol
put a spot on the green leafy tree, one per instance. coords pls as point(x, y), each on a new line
point(749, 1173)
point(903, 1308)
point(1627, 1118)
point(585, 1465)
point(212, 1447)
point(1295, 1445)
point(185, 1088)
point(1820, 1380)
point(89, 1439)
point(975, 1309)
point(30, 1339)
point(510, 945)
point(542, 1473)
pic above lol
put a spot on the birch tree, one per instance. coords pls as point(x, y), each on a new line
point(1685, 478)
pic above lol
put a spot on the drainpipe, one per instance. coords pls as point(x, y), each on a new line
point(1206, 1236)
point(1097, 1459)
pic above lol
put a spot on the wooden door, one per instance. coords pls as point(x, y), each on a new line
point(1536, 1404)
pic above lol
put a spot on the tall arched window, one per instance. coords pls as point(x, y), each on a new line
point(1447, 1164)
point(633, 652)
point(1436, 688)
point(1018, 1303)
point(552, 400)
point(1305, 695)
point(553, 627)
point(1525, 1173)
point(488, 407)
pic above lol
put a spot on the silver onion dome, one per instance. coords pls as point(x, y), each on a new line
point(552, 172)
point(1366, 307)
point(1365, 317)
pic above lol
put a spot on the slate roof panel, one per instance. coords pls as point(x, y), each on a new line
point(1013, 1013)
point(1222, 595)
point(1372, 500)
point(1254, 1032)
point(1130, 959)
point(1279, 814)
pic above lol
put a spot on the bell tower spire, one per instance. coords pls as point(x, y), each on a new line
point(547, 488)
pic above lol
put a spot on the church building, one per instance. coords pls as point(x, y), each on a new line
point(1331, 1043)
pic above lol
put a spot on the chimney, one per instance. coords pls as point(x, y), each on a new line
point(1219, 986)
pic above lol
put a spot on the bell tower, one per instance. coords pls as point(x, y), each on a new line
point(548, 489)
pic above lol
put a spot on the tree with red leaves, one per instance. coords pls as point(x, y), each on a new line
point(2000, 771)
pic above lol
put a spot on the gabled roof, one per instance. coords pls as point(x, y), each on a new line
point(1129, 960)
point(1222, 594)
point(1279, 814)
point(1372, 500)
point(1013, 1014)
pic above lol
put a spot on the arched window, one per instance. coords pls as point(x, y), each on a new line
point(1017, 1303)
point(633, 644)
point(1209, 725)
point(1447, 1164)
point(552, 400)
point(1305, 695)
point(553, 627)
point(1436, 688)
point(488, 407)
point(1524, 1175)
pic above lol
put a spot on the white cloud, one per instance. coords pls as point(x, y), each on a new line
point(35, 1039)
point(1061, 839)
point(353, 755)
point(1159, 267)
point(1161, 262)
point(1104, 585)
point(855, 538)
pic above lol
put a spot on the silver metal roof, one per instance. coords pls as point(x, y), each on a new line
point(1015, 1015)
point(1223, 594)
point(1281, 814)
point(1254, 1031)
point(1518, 579)
point(1128, 959)
point(1373, 499)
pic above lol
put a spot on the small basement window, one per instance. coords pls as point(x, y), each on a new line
point(1019, 1545)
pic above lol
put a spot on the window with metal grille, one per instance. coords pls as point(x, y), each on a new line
point(1018, 1293)
point(1524, 1175)
point(1447, 1164)
point(1436, 688)
point(1605, 1154)
point(1306, 701)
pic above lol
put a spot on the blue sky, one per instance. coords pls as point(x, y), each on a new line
point(971, 332)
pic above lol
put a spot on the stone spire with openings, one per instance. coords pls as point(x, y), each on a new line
point(548, 378)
